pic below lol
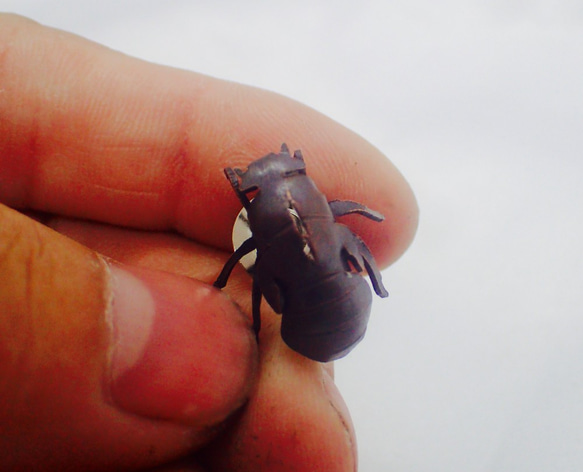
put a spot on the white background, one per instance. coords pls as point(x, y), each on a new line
point(474, 363)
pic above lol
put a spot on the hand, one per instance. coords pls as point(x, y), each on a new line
point(115, 352)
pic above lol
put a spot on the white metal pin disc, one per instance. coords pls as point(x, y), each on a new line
point(241, 233)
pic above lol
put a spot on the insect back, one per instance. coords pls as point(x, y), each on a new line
point(308, 267)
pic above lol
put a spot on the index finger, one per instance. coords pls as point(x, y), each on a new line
point(91, 133)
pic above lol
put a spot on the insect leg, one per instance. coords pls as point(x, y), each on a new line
point(244, 249)
point(345, 207)
point(256, 304)
point(356, 253)
point(372, 269)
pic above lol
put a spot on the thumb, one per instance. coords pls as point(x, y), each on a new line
point(105, 366)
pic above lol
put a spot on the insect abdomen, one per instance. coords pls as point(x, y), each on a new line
point(327, 321)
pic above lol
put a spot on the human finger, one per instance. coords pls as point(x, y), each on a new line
point(295, 420)
point(91, 133)
point(106, 366)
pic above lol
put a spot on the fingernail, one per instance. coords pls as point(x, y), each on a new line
point(132, 319)
point(179, 349)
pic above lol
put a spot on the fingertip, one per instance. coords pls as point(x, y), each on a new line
point(182, 351)
point(342, 163)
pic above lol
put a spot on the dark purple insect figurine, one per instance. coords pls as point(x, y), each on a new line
point(308, 266)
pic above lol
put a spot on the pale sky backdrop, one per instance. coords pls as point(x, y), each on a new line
point(475, 362)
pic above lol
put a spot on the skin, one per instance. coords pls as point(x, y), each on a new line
point(115, 216)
